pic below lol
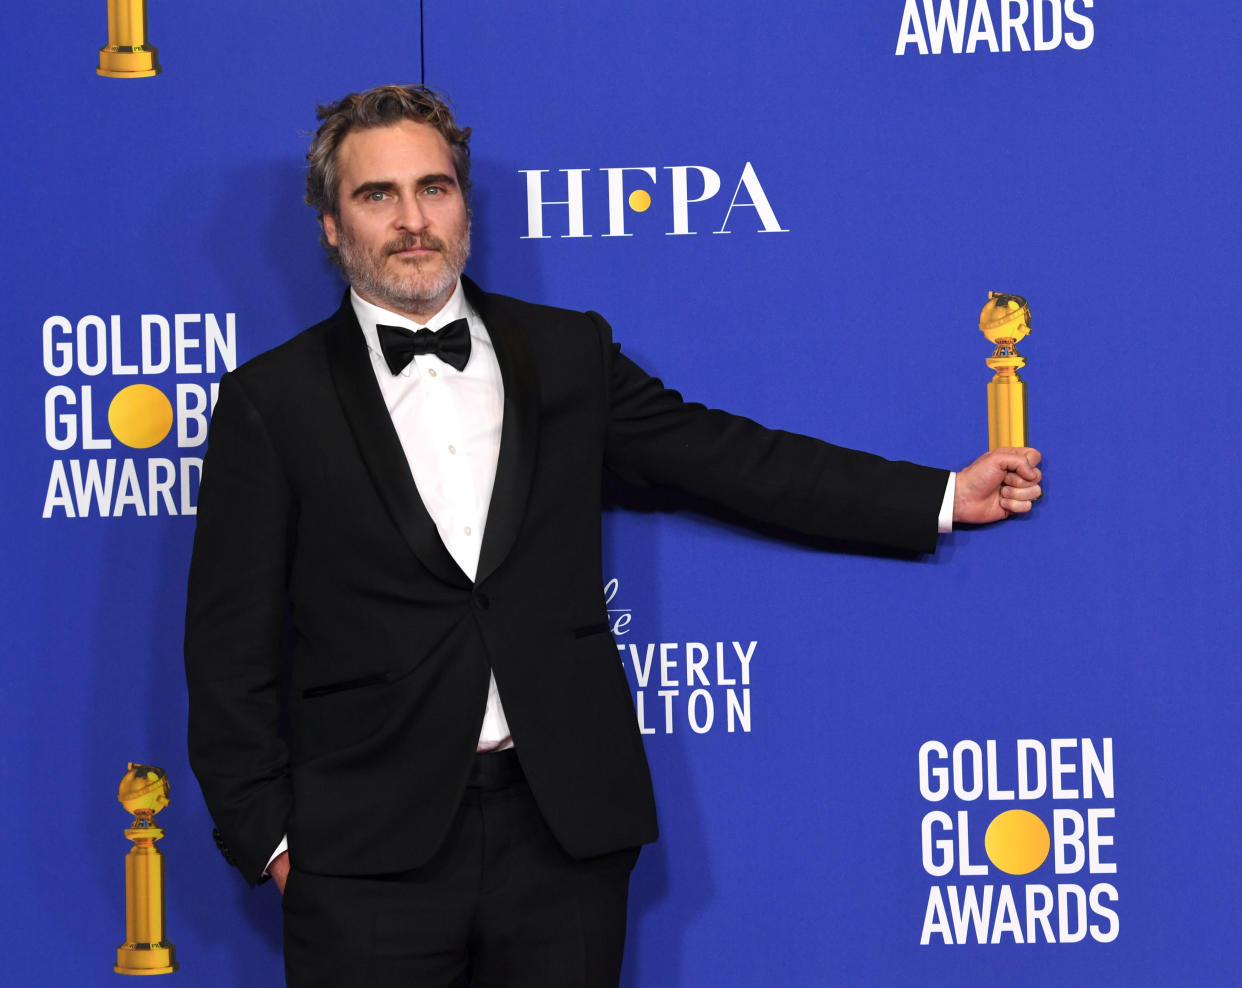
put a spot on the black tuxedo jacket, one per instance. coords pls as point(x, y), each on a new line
point(307, 506)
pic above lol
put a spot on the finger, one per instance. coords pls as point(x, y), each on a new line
point(1018, 459)
point(1014, 506)
point(1024, 464)
point(1017, 480)
point(1031, 492)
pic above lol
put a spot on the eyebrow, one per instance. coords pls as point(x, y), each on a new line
point(387, 185)
point(438, 179)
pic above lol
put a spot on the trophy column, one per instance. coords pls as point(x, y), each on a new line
point(144, 792)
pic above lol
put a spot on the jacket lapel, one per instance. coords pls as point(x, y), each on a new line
point(518, 432)
point(380, 448)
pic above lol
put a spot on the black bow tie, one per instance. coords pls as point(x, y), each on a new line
point(451, 344)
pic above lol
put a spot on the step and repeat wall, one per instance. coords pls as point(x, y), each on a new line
point(1014, 761)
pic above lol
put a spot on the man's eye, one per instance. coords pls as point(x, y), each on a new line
point(433, 190)
point(377, 196)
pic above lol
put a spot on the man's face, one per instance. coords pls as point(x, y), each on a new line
point(403, 231)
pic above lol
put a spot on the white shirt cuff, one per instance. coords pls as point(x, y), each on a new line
point(944, 524)
point(281, 848)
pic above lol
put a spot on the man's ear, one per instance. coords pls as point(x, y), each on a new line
point(329, 228)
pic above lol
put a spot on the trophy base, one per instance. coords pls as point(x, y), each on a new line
point(118, 62)
point(145, 958)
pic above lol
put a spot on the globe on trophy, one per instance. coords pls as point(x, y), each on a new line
point(144, 792)
point(1005, 320)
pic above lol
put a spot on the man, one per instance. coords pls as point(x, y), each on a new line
point(417, 482)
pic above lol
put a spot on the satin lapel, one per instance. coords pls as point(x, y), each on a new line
point(518, 432)
point(381, 449)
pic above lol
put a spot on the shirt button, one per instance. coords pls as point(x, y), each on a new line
point(431, 371)
point(467, 529)
point(452, 449)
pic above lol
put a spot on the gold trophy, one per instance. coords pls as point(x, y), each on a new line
point(144, 792)
point(127, 54)
point(1005, 319)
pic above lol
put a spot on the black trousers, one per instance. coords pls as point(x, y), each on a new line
point(500, 905)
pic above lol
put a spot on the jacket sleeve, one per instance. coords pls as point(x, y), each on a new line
point(772, 477)
point(235, 614)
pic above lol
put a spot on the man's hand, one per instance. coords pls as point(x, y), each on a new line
point(279, 870)
point(997, 485)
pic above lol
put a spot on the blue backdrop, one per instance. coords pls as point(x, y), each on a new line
point(826, 208)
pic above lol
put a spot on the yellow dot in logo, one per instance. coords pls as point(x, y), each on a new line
point(640, 200)
point(140, 416)
point(1017, 842)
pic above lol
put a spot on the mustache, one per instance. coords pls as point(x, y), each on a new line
point(409, 241)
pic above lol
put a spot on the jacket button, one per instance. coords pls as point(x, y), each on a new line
point(481, 602)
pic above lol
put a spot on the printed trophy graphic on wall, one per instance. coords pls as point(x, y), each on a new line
point(1005, 320)
point(144, 792)
point(127, 54)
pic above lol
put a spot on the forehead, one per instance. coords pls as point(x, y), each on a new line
point(403, 149)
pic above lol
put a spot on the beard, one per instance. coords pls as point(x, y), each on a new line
point(416, 288)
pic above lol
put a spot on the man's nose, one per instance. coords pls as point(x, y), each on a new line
point(410, 216)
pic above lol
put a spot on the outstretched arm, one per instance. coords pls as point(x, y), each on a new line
point(769, 476)
point(1001, 483)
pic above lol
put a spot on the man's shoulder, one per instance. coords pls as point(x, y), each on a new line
point(530, 315)
point(305, 353)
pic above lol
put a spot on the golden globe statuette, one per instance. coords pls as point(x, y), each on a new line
point(144, 792)
point(127, 54)
point(1005, 319)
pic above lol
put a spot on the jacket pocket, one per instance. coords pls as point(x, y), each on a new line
point(311, 692)
point(592, 629)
